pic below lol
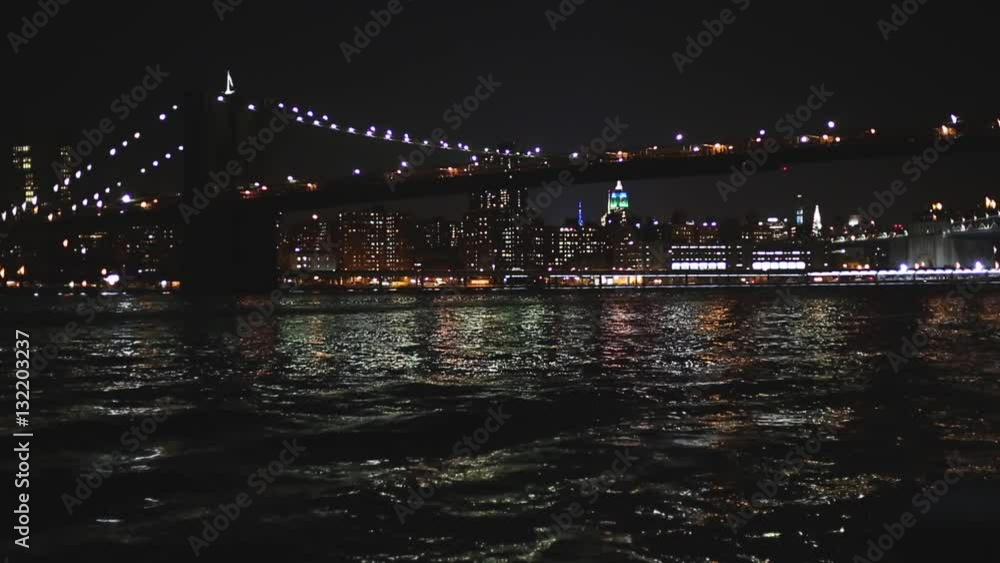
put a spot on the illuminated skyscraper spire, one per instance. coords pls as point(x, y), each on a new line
point(579, 214)
point(817, 224)
point(617, 198)
point(617, 206)
point(230, 86)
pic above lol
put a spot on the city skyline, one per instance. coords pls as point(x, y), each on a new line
point(529, 242)
point(784, 240)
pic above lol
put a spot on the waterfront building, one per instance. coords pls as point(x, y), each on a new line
point(479, 243)
point(437, 245)
point(625, 247)
point(694, 232)
point(149, 252)
point(655, 246)
point(493, 242)
point(494, 239)
point(771, 230)
point(780, 258)
point(309, 247)
point(375, 240)
point(576, 247)
point(706, 257)
point(539, 245)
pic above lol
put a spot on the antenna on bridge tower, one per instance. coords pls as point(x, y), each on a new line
point(230, 87)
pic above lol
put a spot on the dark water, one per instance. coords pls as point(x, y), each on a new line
point(708, 390)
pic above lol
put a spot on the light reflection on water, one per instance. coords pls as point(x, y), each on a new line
point(709, 389)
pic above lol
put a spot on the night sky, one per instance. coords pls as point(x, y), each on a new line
point(608, 59)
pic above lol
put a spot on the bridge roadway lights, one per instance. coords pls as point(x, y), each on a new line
point(228, 248)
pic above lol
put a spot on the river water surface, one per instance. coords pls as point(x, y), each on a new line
point(706, 392)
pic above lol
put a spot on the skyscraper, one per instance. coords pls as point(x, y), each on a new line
point(577, 247)
point(63, 169)
point(500, 199)
point(150, 252)
point(479, 242)
point(374, 241)
point(494, 238)
point(618, 207)
point(624, 244)
point(437, 244)
point(307, 246)
point(26, 183)
point(493, 242)
point(817, 229)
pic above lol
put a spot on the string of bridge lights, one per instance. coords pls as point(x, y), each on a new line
point(79, 174)
point(830, 136)
point(143, 170)
point(113, 152)
point(322, 120)
point(315, 119)
point(125, 199)
point(98, 200)
point(309, 117)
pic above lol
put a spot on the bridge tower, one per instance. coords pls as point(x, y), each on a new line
point(229, 246)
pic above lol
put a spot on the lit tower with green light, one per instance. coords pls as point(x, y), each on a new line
point(618, 206)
